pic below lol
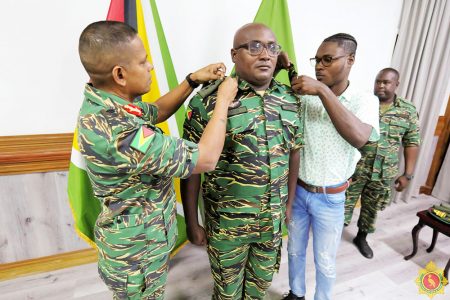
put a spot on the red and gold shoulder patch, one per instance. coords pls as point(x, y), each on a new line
point(133, 109)
point(189, 113)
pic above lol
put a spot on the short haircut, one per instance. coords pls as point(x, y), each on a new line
point(345, 41)
point(100, 43)
point(391, 70)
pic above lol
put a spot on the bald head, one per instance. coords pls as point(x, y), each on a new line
point(255, 55)
point(386, 83)
point(102, 45)
point(247, 33)
point(394, 72)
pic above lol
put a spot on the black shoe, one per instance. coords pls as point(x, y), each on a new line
point(363, 247)
point(292, 296)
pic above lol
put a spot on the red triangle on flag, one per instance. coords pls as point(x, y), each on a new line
point(146, 132)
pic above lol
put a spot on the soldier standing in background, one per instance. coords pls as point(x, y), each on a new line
point(131, 163)
point(245, 196)
point(399, 124)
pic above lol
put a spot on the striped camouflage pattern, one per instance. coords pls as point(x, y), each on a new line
point(245, 195)
point(375, 195)
point(136, 228)
point(399, 125)
point(228, 261)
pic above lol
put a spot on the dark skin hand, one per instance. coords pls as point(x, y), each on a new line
point(355, 132)
point(411, 154)
point(190, 188)
point(283, 62)
point(294, 164)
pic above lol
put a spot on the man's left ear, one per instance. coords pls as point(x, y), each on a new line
point(233, 53)
point(351, 59)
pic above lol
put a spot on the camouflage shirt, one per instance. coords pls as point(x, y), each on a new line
point(245, 195)
point(398, 125)
point(130, 162)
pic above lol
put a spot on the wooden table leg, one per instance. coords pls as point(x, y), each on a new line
point(433, 241)
point(415, 236)
point(446, 270)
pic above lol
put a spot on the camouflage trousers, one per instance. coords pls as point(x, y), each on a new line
point(375, 195)
point(243, 269)
point(133, 257)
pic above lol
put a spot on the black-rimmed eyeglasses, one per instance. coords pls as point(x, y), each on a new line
point(326, 60)
point(256, 48)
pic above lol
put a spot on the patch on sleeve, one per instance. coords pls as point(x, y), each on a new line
point(142, 139)
point(189, 113)
point(133, 109)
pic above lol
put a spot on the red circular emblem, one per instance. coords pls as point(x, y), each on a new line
point(431, 281)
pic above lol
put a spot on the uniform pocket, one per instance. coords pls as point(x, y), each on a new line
point(242, 135)
point(335, 199)
point(122, 242)
point(290, 125)
point(126, 284)
point(397, 129)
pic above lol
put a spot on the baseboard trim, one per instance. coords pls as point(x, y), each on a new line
point(24, 154)
point(47, 263)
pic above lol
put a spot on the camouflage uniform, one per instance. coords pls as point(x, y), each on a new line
point(379, 163)
point(130, 164)
point(245, 195)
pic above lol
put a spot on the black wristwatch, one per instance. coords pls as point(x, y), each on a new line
point(191, 82)
point(409, 177)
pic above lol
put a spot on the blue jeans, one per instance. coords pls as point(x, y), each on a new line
point(325, 214)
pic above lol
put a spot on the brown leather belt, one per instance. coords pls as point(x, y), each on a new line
point(327, 190)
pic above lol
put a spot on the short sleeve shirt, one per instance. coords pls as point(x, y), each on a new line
point(251, 175)
point(399, 125)
point(327, 158)
point(130, 162)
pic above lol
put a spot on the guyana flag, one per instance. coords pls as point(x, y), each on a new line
point(144, 17)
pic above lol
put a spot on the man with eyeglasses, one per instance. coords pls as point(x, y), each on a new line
point(337, 121)
point(375, 172)
point(245, 196)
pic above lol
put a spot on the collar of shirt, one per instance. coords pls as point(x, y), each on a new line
point(103, 98)
point(245, 86)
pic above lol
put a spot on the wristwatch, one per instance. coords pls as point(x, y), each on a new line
point(409, 177)
point(191, 82)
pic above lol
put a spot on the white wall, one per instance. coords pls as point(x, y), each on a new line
point(42, 79)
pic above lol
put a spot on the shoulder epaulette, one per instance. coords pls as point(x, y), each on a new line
point(209, 89)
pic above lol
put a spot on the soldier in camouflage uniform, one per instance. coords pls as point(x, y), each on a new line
point(378, 166)
point(245, 195)
point(131, 163)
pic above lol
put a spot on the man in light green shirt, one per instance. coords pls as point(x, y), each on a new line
point(337, 121)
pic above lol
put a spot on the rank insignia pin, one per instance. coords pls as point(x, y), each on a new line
point(133, 109)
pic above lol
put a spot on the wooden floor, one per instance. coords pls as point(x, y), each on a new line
point(386, 276)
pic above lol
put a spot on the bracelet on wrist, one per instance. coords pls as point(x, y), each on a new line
point(191, 82)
